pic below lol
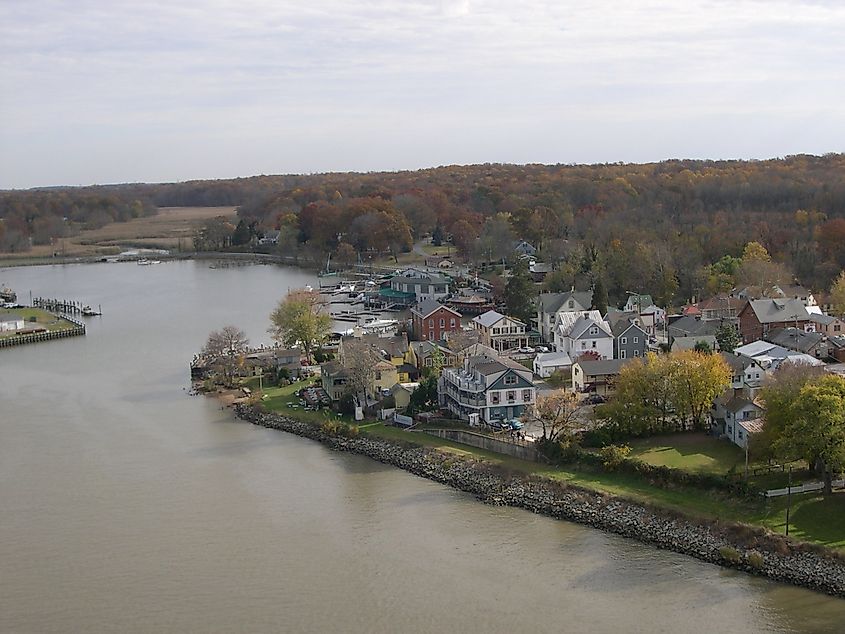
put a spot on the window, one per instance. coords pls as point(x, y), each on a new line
point(583, 345)
point(431, 323)
point(594, 344)
point(636, 353)
point(442, 323)
point(494, 398)
point(452, 323)
point(622, 354)
point(624, 340)
point(510, 379)
point(526, 395)
point(431, 335)
point(740, 434)
point(571, 303)
point(594, 330)
point(636, 339)
point(511, 396)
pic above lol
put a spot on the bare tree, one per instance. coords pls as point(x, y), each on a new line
point(359, 359)
point(225, 348)
point(556, 413)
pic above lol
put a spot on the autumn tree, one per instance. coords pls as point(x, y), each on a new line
point(225, 349)
point(300, 319)
point(359, 360)
point(556, 413)
point(697, 379)
point(837, 294)
point(757, 268)
point(345, 254)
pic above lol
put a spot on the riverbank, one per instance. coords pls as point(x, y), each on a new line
point(736, 546)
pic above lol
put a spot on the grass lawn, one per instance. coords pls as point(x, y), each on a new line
point(813, 518)
point(42, 319)
point(697, 453)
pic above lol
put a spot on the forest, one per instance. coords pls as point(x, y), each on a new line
point(674, 229)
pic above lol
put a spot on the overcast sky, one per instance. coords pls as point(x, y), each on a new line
point(104, 91)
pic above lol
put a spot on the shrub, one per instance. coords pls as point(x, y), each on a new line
point(755, 560)
point(730, 554)
point(331, 427)
point(613, 456)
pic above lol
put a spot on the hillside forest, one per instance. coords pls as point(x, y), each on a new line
point(675, 229)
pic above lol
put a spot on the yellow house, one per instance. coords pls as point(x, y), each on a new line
point(386, 376)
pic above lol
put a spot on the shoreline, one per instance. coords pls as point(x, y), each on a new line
point(772, 556)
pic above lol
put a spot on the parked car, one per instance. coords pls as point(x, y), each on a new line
point(595, 399)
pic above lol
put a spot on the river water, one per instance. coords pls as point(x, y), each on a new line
point(127, 505)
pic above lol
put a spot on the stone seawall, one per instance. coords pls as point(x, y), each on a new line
point(773, 557)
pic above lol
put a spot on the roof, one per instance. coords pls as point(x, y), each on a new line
point(602, 366)
point(825, 320)
point(774, 310)
point(736, 363)
point(737, 403)
point(795, 338)
point(689, 343)
point(427, 279)
point(753, 426)
point(489, 318)
point(428, 306)
point(554, 302)
point(620, 326)
point(722, 302)
point(690, 325)
point(566, 321)
point(406, 387)
point(553, 359)
point(583, 324)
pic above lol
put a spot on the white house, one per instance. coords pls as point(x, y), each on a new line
point(11, 324)
point(500, 332)
point(546, 364)
point(577, 334)
point(549, 305)
point(735, 417)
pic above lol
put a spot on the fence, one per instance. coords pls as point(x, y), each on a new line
point(78, 329)
point(803, 488)
point(515, 448)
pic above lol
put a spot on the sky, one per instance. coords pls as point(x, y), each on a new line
point(105, 91)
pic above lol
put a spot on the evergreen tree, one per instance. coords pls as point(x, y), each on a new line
point(519, 293)
point(242, 234)
point(727, 337)
point(600, 296)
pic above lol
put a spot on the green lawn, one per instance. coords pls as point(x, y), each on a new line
point(813, 518)
point(697, 453)
point(42, 318)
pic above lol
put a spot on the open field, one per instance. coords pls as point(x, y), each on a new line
point(813, 517)
point(42, 319)
point(170, 228)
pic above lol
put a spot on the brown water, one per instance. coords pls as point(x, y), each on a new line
point(128, 506)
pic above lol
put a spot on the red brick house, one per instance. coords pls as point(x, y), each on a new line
point(432, 320)
point(759, 316)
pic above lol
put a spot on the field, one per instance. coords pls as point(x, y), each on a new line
point(171, 228)
point(41, 318)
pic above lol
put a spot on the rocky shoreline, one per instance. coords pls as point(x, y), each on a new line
point(744, 548)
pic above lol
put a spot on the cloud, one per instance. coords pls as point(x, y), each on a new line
point(289, 86)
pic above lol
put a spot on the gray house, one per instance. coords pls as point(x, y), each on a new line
point(550, 304)
point(629, 339)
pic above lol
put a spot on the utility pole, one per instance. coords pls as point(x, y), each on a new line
point(788, 498)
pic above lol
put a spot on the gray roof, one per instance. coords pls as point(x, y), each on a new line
point(734, 361)
point(491, 317)
point(774, 310)
point(689, 343)
point(583, 324)
point(621, 326)
point(432, 279)
point(825, 320)
point(428, 306)
point(795, 338)
point(692, 326)
point(602, 366)
point(553, 302)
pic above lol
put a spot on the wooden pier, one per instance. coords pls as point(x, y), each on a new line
point(65, 307)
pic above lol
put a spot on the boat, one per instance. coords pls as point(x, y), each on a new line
point(7, 295)
point(87, 311)
point(144, 262)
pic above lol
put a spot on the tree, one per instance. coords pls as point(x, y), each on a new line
point(424, 398)
point(727, 337)
point(519, 293)
point(695, 381)
point(817, 430)
point(346, 254)
point(837, 294)
point(556, 413)
point(299, 319)
point(225, 348)
point(359, 359)
point(600, 296)
point(757, 269)
point(242, 234)
point(703, 347)
point(437, 236)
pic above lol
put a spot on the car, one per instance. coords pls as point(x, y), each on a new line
point(526, 350)
point(595, 399)
point(542, 349)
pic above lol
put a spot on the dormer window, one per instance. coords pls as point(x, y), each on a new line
point(510, 380)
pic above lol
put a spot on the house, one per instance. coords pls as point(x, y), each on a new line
point(770, 356)
point(432, 320)
point(550, 304)
point(269, 237)
point(691, 326)
point(539, 270)
point(735, 416)
point(401, 393)
point(386, 375)
point(721, 307)
point(759, 316)
point(629, 339)
point(546, 364)
point(423, 354)
point(746, 374)
point(828, 325)
point(524, 248)
point(334, 379)
point(690, 343)
point(779, 291)
point(413, 287)
point(596, 376)
point(275, 359)
point(837, 347)
point(582, 333)
point(500, 332)
point(11, 324)
point(487, 388)
point(637, 303)
point(814, 344)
